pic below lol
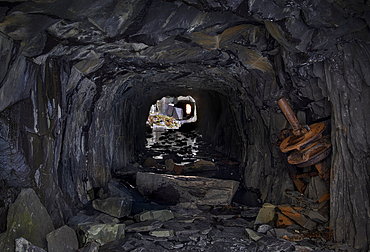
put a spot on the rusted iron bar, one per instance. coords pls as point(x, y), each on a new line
point(298, 130)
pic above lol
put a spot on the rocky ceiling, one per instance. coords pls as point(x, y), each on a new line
point(78, 78)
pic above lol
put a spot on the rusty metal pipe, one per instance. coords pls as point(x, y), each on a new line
point(288, 112)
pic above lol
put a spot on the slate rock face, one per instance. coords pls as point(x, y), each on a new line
point(27, 218)
point(84, 73)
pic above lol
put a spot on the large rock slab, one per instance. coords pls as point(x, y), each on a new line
point(63, 239)
point(203, 191)
point(27, 218)
point(114, 206)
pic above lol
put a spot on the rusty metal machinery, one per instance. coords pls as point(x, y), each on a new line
point(307, 145)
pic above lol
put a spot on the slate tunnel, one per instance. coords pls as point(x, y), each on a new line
point(73, 91)
point(214, 117)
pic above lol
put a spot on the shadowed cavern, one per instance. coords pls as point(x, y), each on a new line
point(77, 80)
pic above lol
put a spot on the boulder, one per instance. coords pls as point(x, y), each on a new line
point(22, 245)
point(100, 233)
point(27, 218)
point(114, 206)
point(63, 239)
point(267, 214)
point(203, 191)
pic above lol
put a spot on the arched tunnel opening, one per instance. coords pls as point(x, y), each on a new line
point(175, 142)
point(81, 140)
point(172, 113)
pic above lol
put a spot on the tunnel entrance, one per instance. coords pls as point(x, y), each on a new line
point(176, 145)
point(171, 113)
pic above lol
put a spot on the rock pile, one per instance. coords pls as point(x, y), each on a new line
point(185, 226)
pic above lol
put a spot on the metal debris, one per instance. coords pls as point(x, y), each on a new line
point(307, 144)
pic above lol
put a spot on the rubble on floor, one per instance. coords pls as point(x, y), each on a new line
point(168, 212)
point(190, 226)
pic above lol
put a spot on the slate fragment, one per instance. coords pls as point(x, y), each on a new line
point(63, 239)
point(27, 218)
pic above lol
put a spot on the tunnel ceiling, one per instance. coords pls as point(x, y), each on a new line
point(77, 79)
point(202, 45)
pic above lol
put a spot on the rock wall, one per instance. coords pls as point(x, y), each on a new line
point(75, 91)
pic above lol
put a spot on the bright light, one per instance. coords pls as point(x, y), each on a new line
point(188, 109)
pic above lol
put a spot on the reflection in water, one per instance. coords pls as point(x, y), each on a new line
point(185, 145)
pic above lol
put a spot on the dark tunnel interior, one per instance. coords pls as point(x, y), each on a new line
point(79, 154)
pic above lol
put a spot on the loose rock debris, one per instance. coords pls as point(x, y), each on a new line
point(201, 214)
point(195, 226)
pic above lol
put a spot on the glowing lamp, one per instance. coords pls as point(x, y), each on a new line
point(188, 109)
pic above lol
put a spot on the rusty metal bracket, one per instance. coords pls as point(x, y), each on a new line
point(307, 146)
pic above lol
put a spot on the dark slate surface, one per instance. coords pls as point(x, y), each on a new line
point(85, 71)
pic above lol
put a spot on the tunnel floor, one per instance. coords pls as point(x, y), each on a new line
point(188, 226)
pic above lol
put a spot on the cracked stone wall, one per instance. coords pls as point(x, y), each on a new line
point(77, 80)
